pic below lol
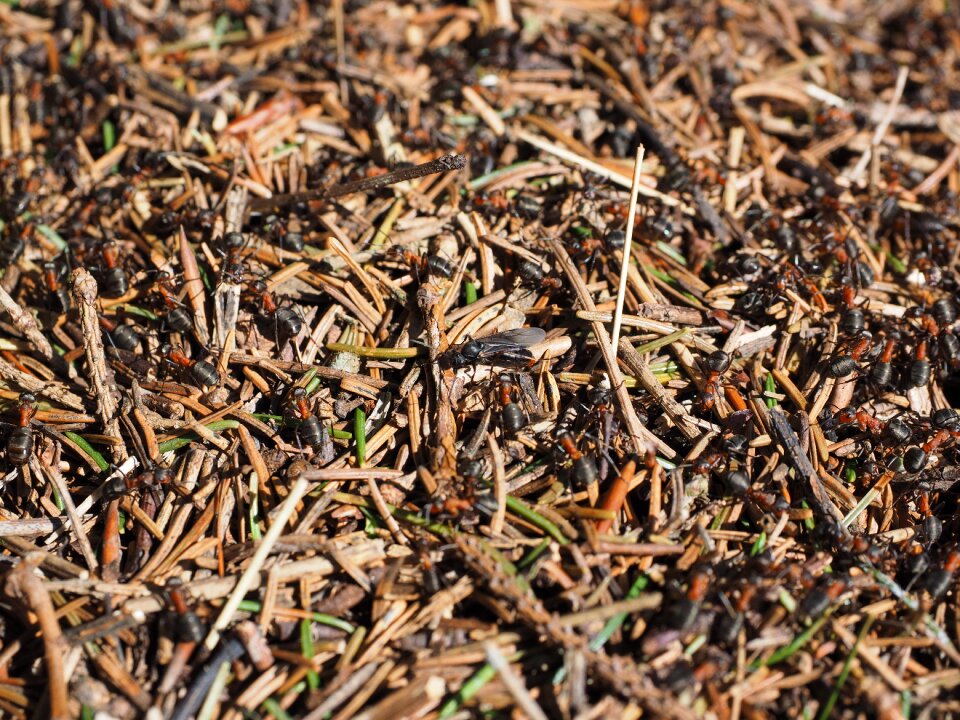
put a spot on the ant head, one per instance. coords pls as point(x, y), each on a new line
point(599, 394)
point(471, 468)
point(298, 392)
point(718, 361)
point(162, 474)
point(27, 398)
point(258, 286)
point(233, 240)
point(174, 584)
point(103, 195)
point(166, 349)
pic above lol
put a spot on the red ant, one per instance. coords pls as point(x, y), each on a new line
point(920, 368)
point(683, 614)
point(53, 272)
point(728, 625)
point(717, 362)
point(882, 372)
point(114, 279)
point(938, 581)
point(20, 442)
point(584, 466)
point(511, 412)
point(177, 317)
point(863, 419)
point(202, 372)
point(288, 323)
point(429, 265)
point(455, 506)
point(148, 479)
point(842, 365)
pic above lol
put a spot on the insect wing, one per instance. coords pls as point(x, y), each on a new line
point(509, 342)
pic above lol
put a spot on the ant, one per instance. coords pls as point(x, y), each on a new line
point(512, 414)
point(434, 265)
point(455, 505)
point(20, 441)
point(113, 279)
point(491, 204)
point(740, 265)
point(288, 239)
point(864, 420)
point(712, 460)
point(918, 374)
point(287, 322)
point(189, 628)
point(507, 348)
point(819, 599)
point(717, 363)
point(939, 580)
point(431, 265)
point(432, 583)
point(13, 241)
point(203, 372)
point(658, 227)
point(948, 428)
point(233, 268)
point(149, 479)
point(178, 317)
point(57, 293)
point(533, 275)
point(120, 335)
point(842, 365)
point(882, 371)
point(853, 320)
point(932, 527)
point(584, 466)
point(683, 613)
point(309, 430)
point(727, 626)
point(773, 226)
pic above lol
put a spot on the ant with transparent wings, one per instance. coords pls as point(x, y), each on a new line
point(506, 349)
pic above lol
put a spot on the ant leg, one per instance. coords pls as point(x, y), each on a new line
point(300, 445)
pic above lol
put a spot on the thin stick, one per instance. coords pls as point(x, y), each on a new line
point(513, 683)
point(594, 167)
point(616, 494)
point(22, 582)
point(627, 244)
point(385, 513)
point(26, 323)
point(639, 434)
point(441, 164)
point(101, 375)
point(252, 573)
point(499, 486)
point(335, 474)
point(193, 285)
point(52, 471)
point(881, 130)
point(648, 381)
